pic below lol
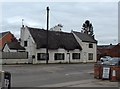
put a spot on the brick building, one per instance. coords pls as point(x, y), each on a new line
point(6, 37)
point(108, 50)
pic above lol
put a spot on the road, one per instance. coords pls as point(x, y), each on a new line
point(40, 75)
point(56, 75)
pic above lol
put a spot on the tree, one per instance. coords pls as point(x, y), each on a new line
point(87, 28)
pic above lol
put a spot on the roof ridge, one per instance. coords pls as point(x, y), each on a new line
point(35, 28)
point(48, 30)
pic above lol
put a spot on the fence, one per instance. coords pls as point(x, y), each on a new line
point(13, 55)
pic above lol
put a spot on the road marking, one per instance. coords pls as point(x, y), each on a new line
point(66, 74)
point(78, 73)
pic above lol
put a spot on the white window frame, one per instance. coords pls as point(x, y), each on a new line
point(62, 56)
point(90, 56)
point(41, 56)
point(77, 57)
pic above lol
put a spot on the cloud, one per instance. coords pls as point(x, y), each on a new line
point(14, 20)
point(103, 16)
point(60, 1)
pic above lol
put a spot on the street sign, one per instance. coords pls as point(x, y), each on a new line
point(5, 80)
point(106, 73)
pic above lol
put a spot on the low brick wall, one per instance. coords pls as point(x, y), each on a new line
point(98, 72)
point(116, 69)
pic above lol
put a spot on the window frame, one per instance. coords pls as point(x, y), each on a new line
point(90, 56)
point(59, 54)
point(76, 58)
point(41, 56)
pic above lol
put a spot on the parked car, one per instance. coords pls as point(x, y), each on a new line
point(105, 58)
point(105, 63)
point(112, 62)
point(115, 61)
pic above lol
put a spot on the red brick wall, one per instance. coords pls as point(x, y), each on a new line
point(7, 38)
point(115, 52)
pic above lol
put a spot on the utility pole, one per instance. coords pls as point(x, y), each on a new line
point(47, 55)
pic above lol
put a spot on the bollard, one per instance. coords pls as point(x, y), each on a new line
point(113, 74)
point(5, 80)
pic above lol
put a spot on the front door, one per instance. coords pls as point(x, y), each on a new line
point(85, 57)
point(68, 57)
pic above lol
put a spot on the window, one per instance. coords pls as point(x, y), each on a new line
point(59, 56)
point(76, 56)
point(41, 56)
point(90, 56)
point(25, 43)
point(90, 45)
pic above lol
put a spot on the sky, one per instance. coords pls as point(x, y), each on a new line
point(102, 15)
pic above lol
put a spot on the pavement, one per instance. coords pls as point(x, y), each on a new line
point(85, 83)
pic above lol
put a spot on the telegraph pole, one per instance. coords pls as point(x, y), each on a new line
point(47, 55)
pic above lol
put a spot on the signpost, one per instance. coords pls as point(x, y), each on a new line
point(106, 73)
point(5, 80)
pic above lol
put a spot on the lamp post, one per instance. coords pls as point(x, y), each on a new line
point(47, 55)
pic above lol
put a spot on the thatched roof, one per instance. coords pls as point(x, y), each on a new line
point(55, 39)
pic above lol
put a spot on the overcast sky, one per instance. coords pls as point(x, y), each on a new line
point(103, 16)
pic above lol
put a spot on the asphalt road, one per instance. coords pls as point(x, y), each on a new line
point(40, 75)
